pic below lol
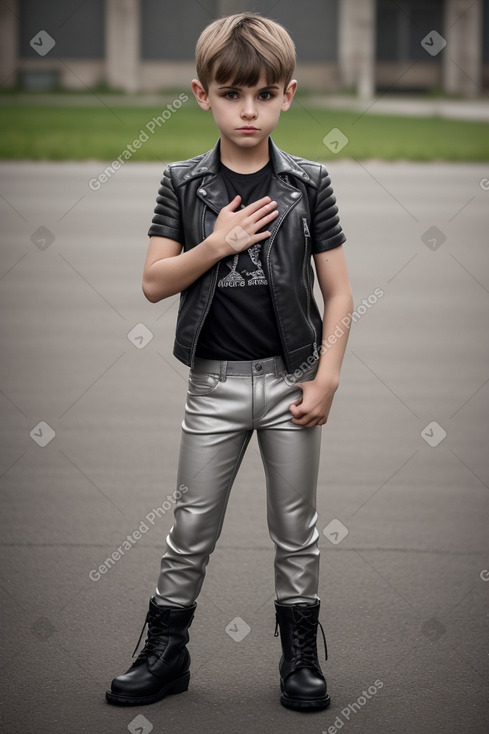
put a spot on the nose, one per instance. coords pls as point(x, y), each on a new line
point(248, 111)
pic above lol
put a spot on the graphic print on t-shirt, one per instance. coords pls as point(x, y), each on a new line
point(257, 277)
point(241, 267)
point(241, 323)
point(233, 279)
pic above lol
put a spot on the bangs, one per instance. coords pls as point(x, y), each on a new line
point(240, 48)
point(242, 65)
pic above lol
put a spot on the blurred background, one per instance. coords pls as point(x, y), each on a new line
point(95, 99)
point(426, 60)
point(148, 45)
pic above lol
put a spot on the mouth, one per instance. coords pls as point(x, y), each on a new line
point(248, 129)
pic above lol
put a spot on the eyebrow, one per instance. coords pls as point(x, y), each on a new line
point(263, 89)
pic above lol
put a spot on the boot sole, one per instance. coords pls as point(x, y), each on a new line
point(304, 704)
point(180, 685)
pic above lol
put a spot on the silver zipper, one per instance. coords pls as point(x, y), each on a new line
point(211, 296)
point(272, 240)
point(304, 280)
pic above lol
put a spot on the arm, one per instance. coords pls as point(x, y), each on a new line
point(168, 270)
point(314, 406)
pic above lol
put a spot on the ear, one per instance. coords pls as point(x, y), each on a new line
point(200, 95)
point(289, 95)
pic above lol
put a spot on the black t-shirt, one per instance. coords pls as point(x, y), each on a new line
point(241, 323)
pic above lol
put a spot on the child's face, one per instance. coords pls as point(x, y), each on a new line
point(245, 115)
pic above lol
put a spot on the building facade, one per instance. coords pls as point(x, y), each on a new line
point(363, 46)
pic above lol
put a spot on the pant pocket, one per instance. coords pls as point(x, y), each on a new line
point(201, 383)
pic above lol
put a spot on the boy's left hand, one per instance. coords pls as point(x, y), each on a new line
point(312, 409)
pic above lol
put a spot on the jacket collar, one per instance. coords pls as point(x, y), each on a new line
point(281, 162)
point(212, 190)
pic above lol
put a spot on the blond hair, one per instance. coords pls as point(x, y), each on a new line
point(238, 48)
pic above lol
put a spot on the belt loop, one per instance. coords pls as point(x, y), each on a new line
point(223, 370)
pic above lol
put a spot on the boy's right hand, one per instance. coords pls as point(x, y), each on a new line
point(238, 230)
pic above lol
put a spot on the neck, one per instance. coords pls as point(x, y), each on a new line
point(244, 160)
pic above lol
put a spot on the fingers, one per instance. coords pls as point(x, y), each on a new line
point(257, 213)
point(260, 212)
point(233, 204)
point(267, 215)
point(305, 418)
point(251, 208)
point(260, 218)
point(260, 209)
point(308, 423)
point(259, 237)
point(242, 225)
point(258, 204)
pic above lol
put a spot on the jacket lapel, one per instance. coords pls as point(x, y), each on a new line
point(213, 193)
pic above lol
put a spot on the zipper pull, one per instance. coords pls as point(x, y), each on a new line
point(306, 228)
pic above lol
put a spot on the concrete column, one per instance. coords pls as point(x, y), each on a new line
point(9, 43)
point(356, 48)
point(122, 44)
point(462, 56)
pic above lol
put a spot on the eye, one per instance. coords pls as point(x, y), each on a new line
point(230, 95)
point(265, 96)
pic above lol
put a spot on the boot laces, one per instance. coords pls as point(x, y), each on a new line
point(157, 624)
point(304, 637)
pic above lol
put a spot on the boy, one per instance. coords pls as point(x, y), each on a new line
point(234, 231)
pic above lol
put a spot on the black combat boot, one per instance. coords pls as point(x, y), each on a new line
point(162, 666)
point(302, 683)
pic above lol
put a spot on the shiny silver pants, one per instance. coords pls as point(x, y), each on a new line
point(226, 401)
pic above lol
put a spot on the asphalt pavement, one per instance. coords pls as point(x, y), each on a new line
point(92, 400)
